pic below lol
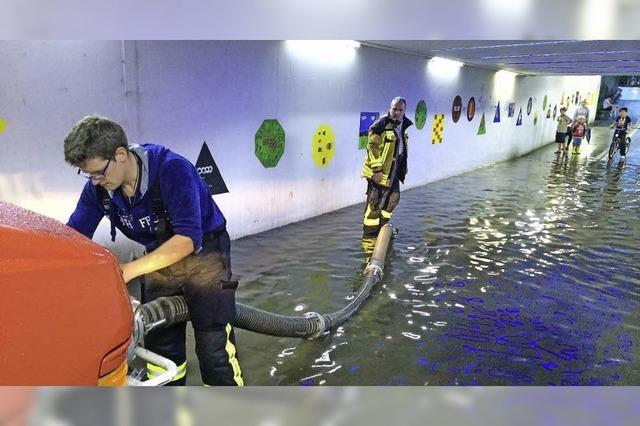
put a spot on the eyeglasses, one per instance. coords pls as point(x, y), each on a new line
point(95, 176)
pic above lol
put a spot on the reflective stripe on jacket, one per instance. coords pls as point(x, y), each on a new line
point(381, 150)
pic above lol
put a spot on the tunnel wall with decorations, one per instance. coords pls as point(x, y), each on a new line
point(276, 129)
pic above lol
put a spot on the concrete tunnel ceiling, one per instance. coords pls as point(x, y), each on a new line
point(530, 57)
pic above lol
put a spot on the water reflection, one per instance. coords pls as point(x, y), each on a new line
point(524, 272)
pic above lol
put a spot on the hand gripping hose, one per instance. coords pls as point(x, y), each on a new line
point(166, 311)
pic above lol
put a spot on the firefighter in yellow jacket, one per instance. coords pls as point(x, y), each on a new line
point(385, 165)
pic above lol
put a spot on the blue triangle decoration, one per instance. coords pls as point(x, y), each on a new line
point(496, 118)
point(519, 120)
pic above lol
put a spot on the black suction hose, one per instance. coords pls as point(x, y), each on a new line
point(166, 311)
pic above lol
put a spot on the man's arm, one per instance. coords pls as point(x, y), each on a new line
point(179, 184)
point(375, 143)
point(171, 251)
point(88, 213)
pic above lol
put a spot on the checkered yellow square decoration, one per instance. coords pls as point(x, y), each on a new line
point(438, 129)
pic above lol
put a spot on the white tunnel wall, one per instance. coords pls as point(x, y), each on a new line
point(181, 93)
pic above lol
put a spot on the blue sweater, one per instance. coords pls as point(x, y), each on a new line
point(185, 196)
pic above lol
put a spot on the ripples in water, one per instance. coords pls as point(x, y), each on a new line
point(524, 272)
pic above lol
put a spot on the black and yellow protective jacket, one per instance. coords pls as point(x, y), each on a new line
point(382, 150)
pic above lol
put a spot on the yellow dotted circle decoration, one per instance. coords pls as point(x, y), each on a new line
point(3, 125)
point(323, 145)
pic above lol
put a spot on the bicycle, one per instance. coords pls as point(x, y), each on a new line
point(615, 144)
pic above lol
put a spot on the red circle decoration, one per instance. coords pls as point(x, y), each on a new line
point(471, 108)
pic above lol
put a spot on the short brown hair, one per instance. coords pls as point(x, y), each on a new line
point(91, 137)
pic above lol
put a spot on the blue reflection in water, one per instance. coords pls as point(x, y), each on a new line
point(524, 273)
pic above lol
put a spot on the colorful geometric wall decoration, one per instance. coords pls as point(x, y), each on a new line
point(555, 111)
point(323, 145)
point(209, 172)
point(437, 134)
point(577, 98)
point(511, 109)
point(519, 119)
point(535, 118)
point(471, 108)
point(549, 112)
point(421, 114)
point(482, 129)
point(3, 125)
point(562, 99)
point(529, 105)
point(544, 102)
point(366, 120)
point(456, 109)
point(269, 143)
point(496, 117)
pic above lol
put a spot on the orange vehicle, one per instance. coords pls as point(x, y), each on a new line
point(65, 314)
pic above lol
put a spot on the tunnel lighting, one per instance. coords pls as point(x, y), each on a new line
point(322, 44)
point(324, 51)
point(444, 62)
point(443, 69)
point(504, 83)
point(504, 74)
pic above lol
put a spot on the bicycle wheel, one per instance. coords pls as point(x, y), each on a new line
point(613, 147)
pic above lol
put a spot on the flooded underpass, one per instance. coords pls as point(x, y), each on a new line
point(520, 273)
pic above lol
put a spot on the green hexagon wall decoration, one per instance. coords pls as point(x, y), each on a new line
point(269, 143)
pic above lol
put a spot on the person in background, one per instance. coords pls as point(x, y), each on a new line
point(622, 124)
point(578, 133)
point(582, 110)
point(385, 165)
point(561, 131)
point(610, 106)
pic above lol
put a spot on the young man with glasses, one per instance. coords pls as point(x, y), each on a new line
point(156, 198)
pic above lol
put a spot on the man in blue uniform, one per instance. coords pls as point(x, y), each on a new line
point(156, 198)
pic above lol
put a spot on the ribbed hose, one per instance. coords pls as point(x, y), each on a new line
point(372, 275)
point(263, 322)
point(166, 311)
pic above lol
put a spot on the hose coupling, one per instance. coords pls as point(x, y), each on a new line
point(377, 270)
point(320, 324)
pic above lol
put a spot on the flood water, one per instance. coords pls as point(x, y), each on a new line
point(520, 273)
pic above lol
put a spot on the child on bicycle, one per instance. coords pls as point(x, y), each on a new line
point(579, 129)
point(622, 124)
